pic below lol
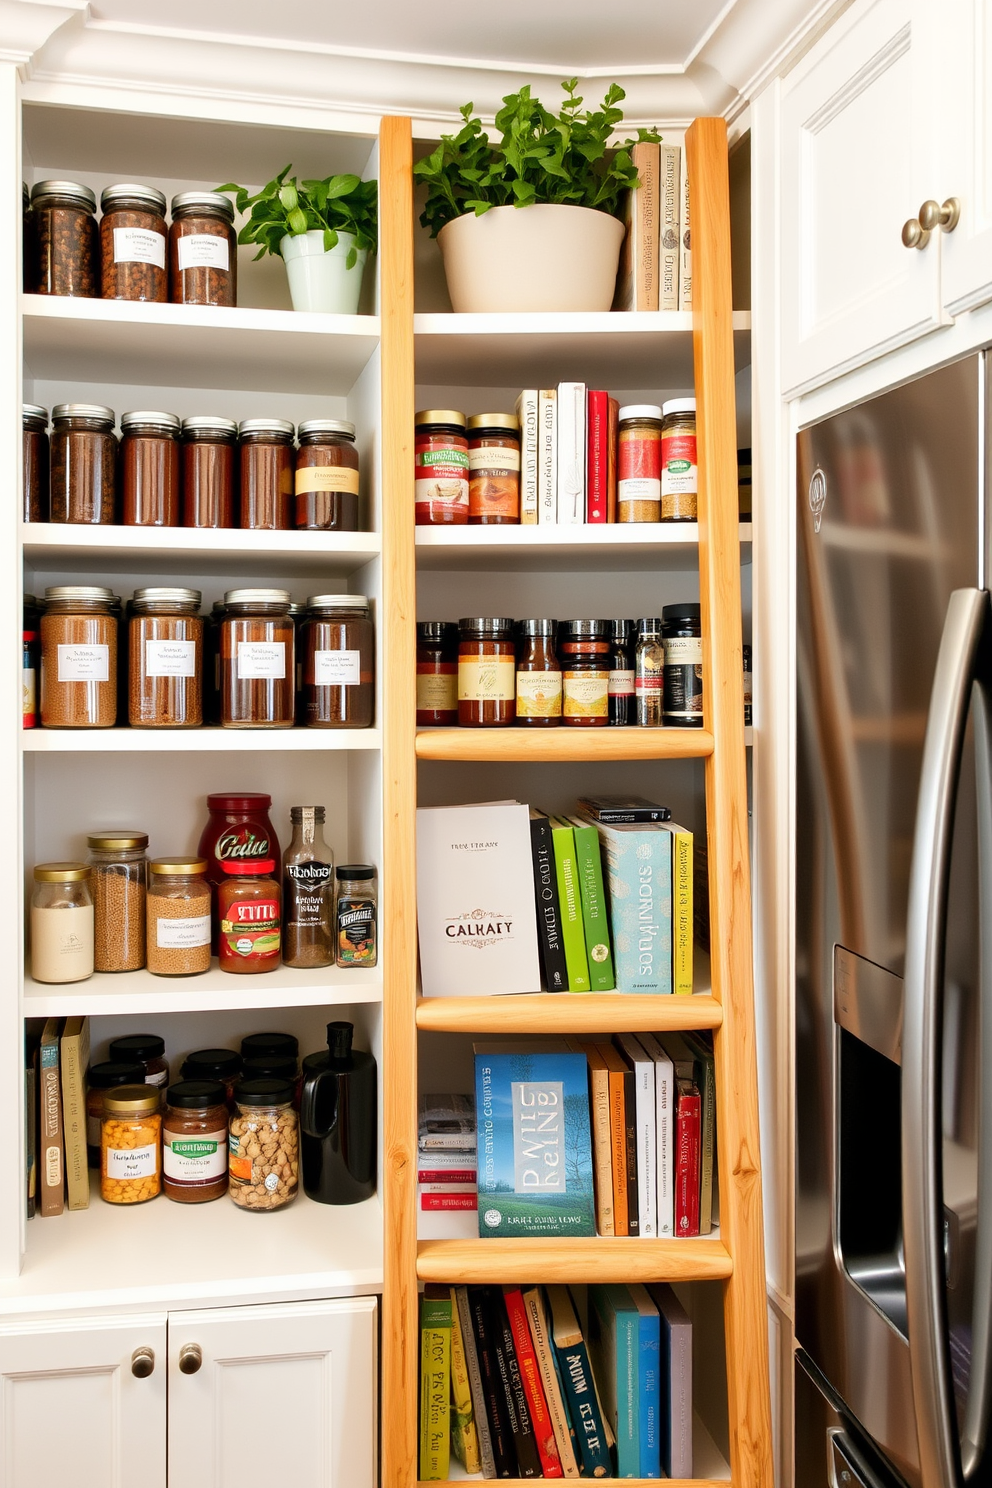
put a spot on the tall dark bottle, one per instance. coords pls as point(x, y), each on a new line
point(338, 1121)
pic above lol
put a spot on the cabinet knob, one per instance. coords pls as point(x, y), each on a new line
point(946, 216)
point(190, 1358)
point(142, 1362)
point(914, 234)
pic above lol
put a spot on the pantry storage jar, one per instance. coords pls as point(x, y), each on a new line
point(150, 459)
point(538, 703)
point(437, 672)
point(203, 250)
point(178, 916)
point(267, 474)
point(208, 471)
point(308, 892)
point(249, 917)
point(61, 923)
point(440, 468)
point(118, 880)
point(133, 243)
point(194, 1142)
point(486, 673)
point(257, 660)
point(83, 464)
point(78, 657)
point(146, 1049)
point(34, 421)
point(357, 917)
point(165, 659)
point(621, 685)
point(264, 1146)
point(238, 828)
point(639, 463)
point(327, 477)
point(584, 648)
point(679, 476)
point(649, 667)
point(100, 1077)
point(338, 644)
point(62, 254)
point(130, 1145)
point(223, 1065)
point(493, 469)
point(683, 666)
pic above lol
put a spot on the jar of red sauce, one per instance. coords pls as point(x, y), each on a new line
point(249, 917)
point(441, 468)
point(238, 830)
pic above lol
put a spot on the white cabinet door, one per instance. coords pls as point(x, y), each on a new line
point(73, 1411)
point(858, 155)
point(961, 95)
point(283, 1394)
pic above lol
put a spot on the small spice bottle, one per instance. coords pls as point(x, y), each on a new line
point(538, 702)
point(150, 460)
point(748, 685)
point(130, 1145)
point(31, 661)
point(437, 673)
point(308, 892)
point(486, 673)
point(267, 474)
point(683, 666)
point(356, 915)
point(249, 914)
point(440, 468)
point(584, 648)
point(679, 476)
point(649, 668)
point(493, 469)
point(203, 250)
point(83, 464)
point(61, 923)
point(62, 254)
point(194, 1142)
point(100, 1077)
point(208, 469)
point(78, 657)
point(621, 691)
point(165, 659)
point(338, 641)
point(34, 506)
point(178, 916)
point(327, 477)
point(118, 880)
point(264, 1146)
point(146, 1049)
point(257, 660)
point(133, 243)
point(639, 463)
point(222, 1065)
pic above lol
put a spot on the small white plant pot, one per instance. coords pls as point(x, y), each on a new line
point(319, 279)
point(542, 257)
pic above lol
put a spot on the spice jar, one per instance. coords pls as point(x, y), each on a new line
point(327, 476)
point(203, 250)
point(437, 672)
point(222, 1065)
point(101, 1077)
point(649, 667)
point(61, 923)
point(538, 702)
point(440, 468)
point(683, 666)
point(130, 1145)
point(208, 468)
point(34, 503)
point(356, 916)
point(338, 662)
point(118, 879)
point(584, 648)
point(150, 460)
point(639, 463)
point(61, 255)
point(31, 661)
point(78, 658)
point(679, 482)
point(83, 464)
point(249, 916)
point(308, 892)
point(621, 687)
point(493, 469)
point(264, 1146)
point(133, 241)
point(486, 673)
point(165, 659)
point(257, 660)
point(266, 448)
point(146, 1049)
point(178, 916)
point(194, 1142)
point(748, 685)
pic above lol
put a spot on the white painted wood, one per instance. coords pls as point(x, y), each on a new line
point(198, 741)
point(962, 116)
point(641, 545)
point(188, 550)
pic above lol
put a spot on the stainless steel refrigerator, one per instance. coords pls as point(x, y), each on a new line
point(893, 1251)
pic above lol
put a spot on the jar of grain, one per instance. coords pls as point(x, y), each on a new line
point(178, 916)
point(146, 1049)
point(338, 662)
point(78, 657)
point(61, 923)
point(165, 659)
point(267, 461)
point(130, 1145)
point(194, 1142)
point(215, 1064)
point(150, 459)
point(257, 660)
point(209, 460)
point(100, 1077)
point(203, 250)
point(327, 476)
point(264, 1146)
point(133, 242)
point(64, 241)
point(84, 464)
point(119, 875)
point(639, 463)
point(34, 503)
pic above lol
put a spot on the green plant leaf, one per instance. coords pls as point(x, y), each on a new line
point(285, 206)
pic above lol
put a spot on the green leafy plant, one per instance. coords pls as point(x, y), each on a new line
point(539, 157)
point(286, 206)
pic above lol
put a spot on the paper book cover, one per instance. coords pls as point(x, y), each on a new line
point(664, 1106)
point(646, 1131)
point(467, 1335)
point(682, 928)
point(435, 1382)
point(592, 1434)
point(527, 414)
point(701, 1046)
point(464, 1437)
point(571, 453)
point(570, 901)
point(31, 1125)
point(648, 1381)
point(614, 811)
point(637, 278)
point(597, 455)
point(530, 1375)
point(602, 1137)
point(612, 453)
point(595, 914)
point(687, 1112)
point(676, 1382)
point(537, 1318)
point(535, 1147)
point(75, 1059)
point(617, 1074)
point(500, 1433)
point(549, 931)
point(669, 208)
point(508, 1371)
point(685, 242)
point(476, 915)
point(51, 1150)
point(639, 877)
point(547, 455)
point(613, 1349)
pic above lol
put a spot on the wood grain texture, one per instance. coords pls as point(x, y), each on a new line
point(578, 1260)
point(529, 745)
point(563, 1012)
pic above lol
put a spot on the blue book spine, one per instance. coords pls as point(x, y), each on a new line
point(639, 876)
point(628, 1392)
point(583, 1408)
point(649, 1347)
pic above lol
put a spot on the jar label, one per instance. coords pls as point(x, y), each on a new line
point(138, 245)
point(586, 694)
point(84, 663)
point(122, 1163)
point(337, 668)
point(182, 935)
point(684, 651)
point(239, 1166)
point(261, 659)
point(437, 692)
point(640, 488)
point(28, 697)
point(442, 494)
point(158, 1077)
point(356, 932)
point(539, 694)
point(251, 930)
point(326, 478)
point(170, 658)
point(649, 686)
point(204, 251)
point(486, 679)
point(621, 684)
point(678, 463)
point(639, 455)
point(498, 461)
point(195, 1159)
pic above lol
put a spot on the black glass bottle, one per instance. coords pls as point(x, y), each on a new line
point(338, 1121)
point(622, 709)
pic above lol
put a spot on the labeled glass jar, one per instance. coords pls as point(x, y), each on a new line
point(150, 461)
point(30, 661)
point(146, 1049)
point(178, 916)
point(203, 250)
point(748, 685)
point(264, 1146)
point(79, 657)
point(62, 253)
point(165, 659)
point(338, 643)
point(130, 1145)
point(649, 669)
point(486, 673)
point(440, 468)
point(356, 915)
point(83, 464)
point(327, 477)
point(237, 829)
point(308, 892)
point(194, 1142)
point(493, 469)
point(621, 687)
point(61, 923)
point(437, 673)
point(683, 666)
point(133, 244)
point(34, 423)
point(222, 1065)
point(267, 474)
point(584, 648)
point(209, 460)
point(249, 916)
point(257, 660)
point(100, 1077)
point(639, 463)
point(538, 701)
point(679, 475)
point(118, 881)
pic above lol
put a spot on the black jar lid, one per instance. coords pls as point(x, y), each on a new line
point(264, 1093)
point(538, 627)
point(620, 630)
point(486, 627)
point(140, 1046)
point(680, 612)
point(270, 1067)
point(445, 631)
point(584, 630)
point(649, 626)
point(211, 1064)
point(359, 871)
point(113, 1072)
point(271, 1045)
point(195, 1094)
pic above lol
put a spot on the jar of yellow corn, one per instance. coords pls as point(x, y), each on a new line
point(131, 1145)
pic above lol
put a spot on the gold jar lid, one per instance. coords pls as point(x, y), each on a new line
point(494, 421)
point(131, 1100)
point(440, 416)
point(180, 865)
point(108, 841)
point(61, 872)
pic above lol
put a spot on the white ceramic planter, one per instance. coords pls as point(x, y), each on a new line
point(543, 257)
point(319, 279)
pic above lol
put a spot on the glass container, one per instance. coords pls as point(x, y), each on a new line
point(61, 923)
point(133, 244)
point(215, 1064)
point(538, 702)
point(209, 463)
point(194, 1142)
point(356, 915)
point(649, 667)
point(249, 917)
point(62, 252)
point(100, 1077)
point(683, 666)
point(270, 1045)
point(621, 685)
point(338, 644)
point(130, 1145)
point(437, 673)
point(150, 461)
point(440, 468)
point(493, 469)
point(203, 250)
point(118, 881)
point(327, 477)
point(257, 660)
point(679, 476)
point(178, 916)
point(584, 648)
point(165, 659)
point(267, 474)
point(78, 657)
point(83, 464)
point(486, 673)
point(34, 444)
point(264, 1146)
point(146, 1049)
point(308, 892)
point(639, 463)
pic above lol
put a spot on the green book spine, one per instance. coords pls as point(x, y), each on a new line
point(435, 1385)
point(595, 915)
point(570, 897)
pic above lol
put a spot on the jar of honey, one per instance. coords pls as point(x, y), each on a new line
point(486, 673)
point(493, 469)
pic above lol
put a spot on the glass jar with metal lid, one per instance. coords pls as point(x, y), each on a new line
point(118, 880)
point(130, 1145)
point(679, 474)
point(209, 464)
point(264, 1146)
point(486, 673)
point(34, 446)
point(584, 648)
point(327, 476)
point(84, 463)
point(493, 469)
point(178, 916)
point(338, 662)
point(683, 665)
point(639, 463)
point(194, 1142)
point(538, 675)
point(257, 660)
point(437, 672)
point(649, 667)
point(100, 1077)
point(203, 250)
point(79, 657)
point(267, 474)
point(61, 923)
point(441, 468)
point(133, 243)
point(165, 659)
point(150, 459)
point(62, 256)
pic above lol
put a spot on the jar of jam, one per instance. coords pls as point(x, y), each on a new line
point(130, 1145)
point(338, 662)
point(679, 476)
point(222, 1065)
point(165, 659)
point(209, 461)
point(486, 673)
point(146, 1049)
point(133, 242)
point(327, 477)
point(538, 703)
point(584, 648)
point(267, 462)
point(257, 660)
point(203, 250)
point(441, 468)
point(31, 661)
point(61, 255)
point(83, 464)
point(34, 504)
point(194, 1142)
point(639, 463)
point(249, 914)
point(493, 469)
point(79, 657)
point(621, 672)
point(100, 1077)
point(683, 666)
point(437, 673)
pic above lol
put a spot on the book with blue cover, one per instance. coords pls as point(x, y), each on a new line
point(638, 862)
point(624, 1342)
point(648, 1380)
point(534, 1142)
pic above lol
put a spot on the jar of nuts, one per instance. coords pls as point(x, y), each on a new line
point(264, 1146)
point(130, 1145)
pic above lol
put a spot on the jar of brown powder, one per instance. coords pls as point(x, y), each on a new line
point(257, 660)
point(203, 250)
point(78, 657)
point(327, 476)
point(209, 464)
point(338, 662)
point(133, 242)
point(118, 877)
point(62, 255)
point(150, 459)
point(165, 659)
point(84, 463)
point(178, 916)
point(34, 507)
point(267, 474)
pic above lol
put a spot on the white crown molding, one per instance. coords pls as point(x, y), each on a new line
point(26, 27)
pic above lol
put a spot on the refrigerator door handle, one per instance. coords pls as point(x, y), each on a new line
point(957, 663)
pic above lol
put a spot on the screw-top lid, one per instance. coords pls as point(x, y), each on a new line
point(264, 1093)
point(296, 814)
point(169, 423)
point(209, 423)
point(211, 1064)
point(167, 596)
point(445, 631)
point(148, 196)
point(193, 1094)
point(79, 591)
point(678, 405)
point(60, 872)
point(649, 627)
point(119, 838)
point(537, 627)
point(97, 411)
point(111, 1072)
point(213, 201)
point(181, 864)
point(140, 1046)
point(73, 191)
point(34, 411)
point(584, 630)
point(439, 416)
point(620, 630)
point(281, 427)
point(337, 602)
point(327, 426)
point(239, 801)
point(357, 871)
point(270, 1067)
point(270, 1045)
point(131, 1100)
point(253, 867)
point(339, 1037)
point(495, 421)
point(257, 596)
point(487, 626)
point(680, 612)
point(640, 411)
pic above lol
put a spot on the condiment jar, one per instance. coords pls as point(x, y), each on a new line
point(133, 242)
point(437, 672)
point(194, 1142)
point(146, 1049)
point(683, 666)
point(178, 916)
point(209, 464)
point(215, 1064)
point(203, 250)
point(356, 916)
point(101, 1077)
point(440, 468)
point(267, 460)
point(338, 644)
point(493, 469)
point(61, 923)
point(83, 464)
point(538, 702)
point(130, 1145)
point(621, 689)
point(150, 460)
point(649, 666)
point(165, 659)
point(31, 661)
point(257, 660)
point(639, 463)
point(78, 657)
point(62, 254)
point(308, 892)
point(118, 880)
point(679, 475)
point(584, 648)
point(486, 673)
point(249, 915)
point(238, 829)
point(264, 1146)
point(34, 443)
point(327, 476)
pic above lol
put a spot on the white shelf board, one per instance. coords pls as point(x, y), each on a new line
point(621, 545)
point(117, 341)
point(66, 547)
point(196, 740)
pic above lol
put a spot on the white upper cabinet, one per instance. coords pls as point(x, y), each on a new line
point(961, 99)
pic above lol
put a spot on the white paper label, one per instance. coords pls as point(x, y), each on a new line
point(138, 245)
point(182, 935)
point(261, 659)
point(336, 668)
point(170, 658)
point(131, 1162)
point(203, 251)
point(84, 663)
point(195, 1159)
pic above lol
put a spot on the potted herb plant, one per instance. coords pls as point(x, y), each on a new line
point(531, 220)
point(324, 231)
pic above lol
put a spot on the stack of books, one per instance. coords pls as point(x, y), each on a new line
point(656, 259)
point(446, 1153)
point(568, 454)
point(57, 1057)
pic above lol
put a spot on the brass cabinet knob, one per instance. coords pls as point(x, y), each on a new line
point(190, 1358)
point(914, 234)
point(142, 1362)
point(946, 215)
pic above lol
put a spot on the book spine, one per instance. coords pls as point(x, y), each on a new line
point(31, 1131)
point(669, 206)
point(435, 1382)
point(664, 1091)
point(464, 1437)
point(50, 1146)
point(638, 289)
point(613, 434)
point(460, 1294)
point(648, 1346)
point(618, 1133)
point(687, 1162)
point(527, 414)
point(508, 1369)
point(680, 1459)
point(597, 455)
point(549, 934)
point(685, 242)
point(530, 1375)
point(630, 1134)
point(595, 917)
point(464, 1203)
point(571, 452)
point(628, 1424)
point(544, 1352)
point(547, 455)
point(639, 872)
point(583, 1407)
point(634, 817)
point(459, 1141)
point(681, 911)
point(501, 1439)
point(571, 909)
point(602, 1147)
point(453, 1177)
point(647, 1143)
point(74, 1060)
point(705, 1078)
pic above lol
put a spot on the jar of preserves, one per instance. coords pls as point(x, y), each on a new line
point(679, 476)
point(649, 667)
point(327, 476)
point(146, 1049)
point(264, 1146)
point(165, 659)
point(194, 1142)
point(308, 892)
point(34, 505)
point(437, 673)
point(178, 916)
point(257, 660)
point(238, 829)
point(486, 673)
point(267, 474)
point(538, 703)
point(621, 690)
point(83, 464)
point(133, 243)
point(356, 915)
point(130, 1145)
point(100, 1077)
point(584, 648)
point(222, 1065)
point(683, 666)
point(61, 923)
point(639, 463)
point(203, 250)
point(78, 657)
point(62, 253)
point(441, 468)
point(31, 661)
point(493, 469)
point(150, 460)
point(338, 662)
point(208, 469)
point(118, 880)
point(249, 916)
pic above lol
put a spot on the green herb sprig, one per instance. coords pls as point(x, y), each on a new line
point(285, 206)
